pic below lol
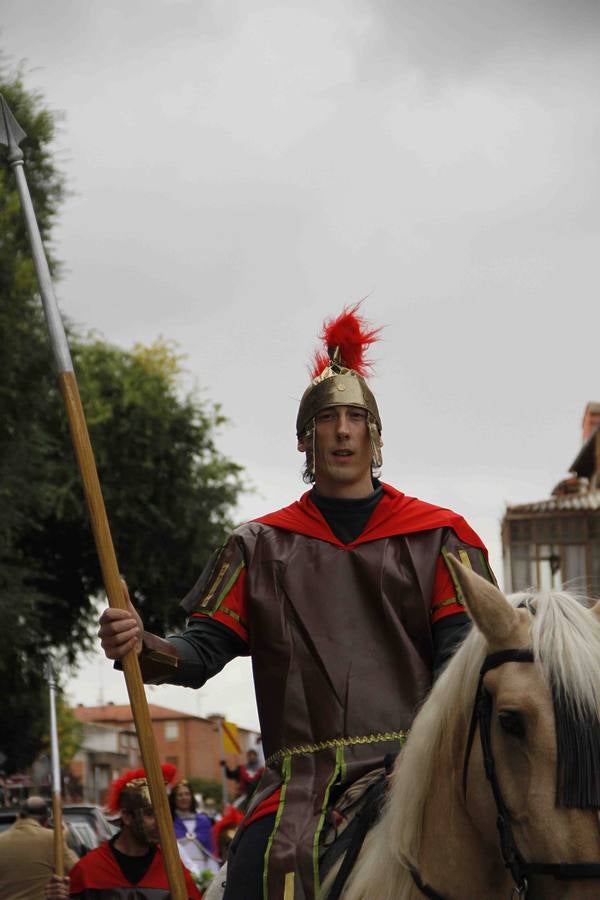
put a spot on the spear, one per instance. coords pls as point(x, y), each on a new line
point(59, 862)
point(11, 134)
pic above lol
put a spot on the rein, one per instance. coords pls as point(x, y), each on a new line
point(513, 860)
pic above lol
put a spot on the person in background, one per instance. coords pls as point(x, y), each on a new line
point(225, 830)
point(247, 776)
point(27, 853)
point(193, 830)
point(131, 863)
point(210, 809)
point(188, 821)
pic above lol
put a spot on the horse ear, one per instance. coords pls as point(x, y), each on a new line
point(486, 604)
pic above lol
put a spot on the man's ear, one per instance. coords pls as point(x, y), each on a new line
point(301, 446)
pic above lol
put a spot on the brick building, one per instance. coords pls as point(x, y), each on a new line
point(191, 743)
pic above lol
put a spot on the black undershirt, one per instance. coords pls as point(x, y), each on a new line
point(133, 867)
point(347, 518)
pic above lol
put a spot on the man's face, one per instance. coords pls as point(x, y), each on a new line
point(142, 826)
point(343, 452)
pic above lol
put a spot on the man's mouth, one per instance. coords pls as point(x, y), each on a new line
point(343, 453)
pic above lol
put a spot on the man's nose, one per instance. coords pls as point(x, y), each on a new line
point(342, 422)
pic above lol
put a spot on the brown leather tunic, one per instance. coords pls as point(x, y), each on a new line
point(341, 645)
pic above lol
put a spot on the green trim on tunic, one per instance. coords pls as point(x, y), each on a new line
point(339, 766)
point(460, 597)
point(487, 568)
point(286, 770)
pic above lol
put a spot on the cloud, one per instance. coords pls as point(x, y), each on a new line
point(470, 39)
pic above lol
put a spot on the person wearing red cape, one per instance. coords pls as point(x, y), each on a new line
point(348, 609)
point(130, 865)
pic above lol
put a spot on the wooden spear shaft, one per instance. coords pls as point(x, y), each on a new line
point(12, 134)
point(59, 861)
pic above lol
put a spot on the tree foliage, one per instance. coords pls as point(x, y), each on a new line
point(209, 789)
point(168, 491)
point(69, 729)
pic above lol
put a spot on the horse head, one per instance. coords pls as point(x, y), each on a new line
point(541, 736)
point(510, 733)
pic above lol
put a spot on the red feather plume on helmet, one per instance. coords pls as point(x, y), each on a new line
point(114, 794)
point(352, 335)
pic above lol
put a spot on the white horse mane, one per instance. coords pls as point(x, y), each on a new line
point(566, 641)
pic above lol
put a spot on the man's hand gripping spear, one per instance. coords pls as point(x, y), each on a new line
point(11, 134)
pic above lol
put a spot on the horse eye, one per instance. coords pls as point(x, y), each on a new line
point(512, 723)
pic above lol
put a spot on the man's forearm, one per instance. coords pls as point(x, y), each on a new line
point(159, 660)
point(191, 658)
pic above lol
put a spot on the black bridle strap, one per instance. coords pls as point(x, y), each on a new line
point(563, 871)
point(519, 869)
point(490, 662)
point(424, 888)
point(503, 656)
point(513, 860)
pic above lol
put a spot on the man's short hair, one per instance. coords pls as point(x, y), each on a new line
point(35, 808)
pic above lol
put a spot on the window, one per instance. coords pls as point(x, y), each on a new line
point(171, 731)
point(595, 562)
point(523, 566)
point(573, 568)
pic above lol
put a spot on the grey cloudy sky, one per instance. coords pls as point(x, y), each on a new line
point(241, 170)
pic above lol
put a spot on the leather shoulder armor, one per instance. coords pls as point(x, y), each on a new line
point(217, 579)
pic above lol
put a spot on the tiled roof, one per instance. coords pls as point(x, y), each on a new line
point(590, 500)
point(121, 714)
point(113, 712)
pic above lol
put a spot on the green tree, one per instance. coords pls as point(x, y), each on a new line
point(169, 492)
point(26, 388)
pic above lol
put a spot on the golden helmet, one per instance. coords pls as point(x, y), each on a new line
point(338, 377)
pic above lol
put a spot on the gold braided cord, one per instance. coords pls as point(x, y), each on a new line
point(378, 738)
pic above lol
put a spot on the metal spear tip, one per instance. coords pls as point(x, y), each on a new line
point(11, 133)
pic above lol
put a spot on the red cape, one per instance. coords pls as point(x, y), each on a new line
point(98, 870)
point(394, 514)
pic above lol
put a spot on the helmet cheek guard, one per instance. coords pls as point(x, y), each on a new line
point(376, 443)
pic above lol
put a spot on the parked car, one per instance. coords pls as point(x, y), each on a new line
point(91, 815)
point(81, 837)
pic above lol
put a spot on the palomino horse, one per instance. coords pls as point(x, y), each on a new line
point(520, 699)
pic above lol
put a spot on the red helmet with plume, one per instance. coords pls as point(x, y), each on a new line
point(135, 785)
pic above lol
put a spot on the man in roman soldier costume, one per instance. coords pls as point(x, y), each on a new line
point(348, 609)
point(130, 864)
